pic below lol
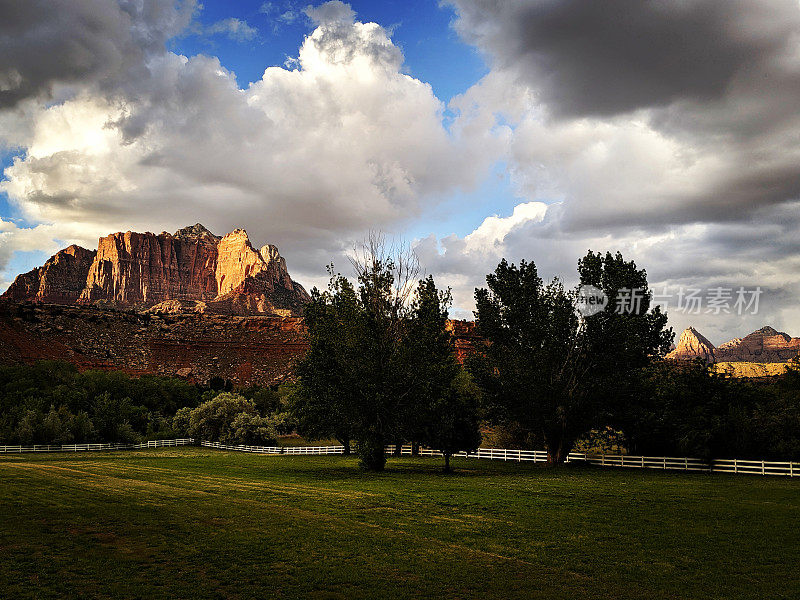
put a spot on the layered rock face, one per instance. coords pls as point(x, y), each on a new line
point(144, 270)
point(61, 280)
point(765, 345)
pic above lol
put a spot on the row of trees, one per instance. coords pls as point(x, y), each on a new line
point(685, 409)
point(381, 369)
point(381, 366)
point(52, 403)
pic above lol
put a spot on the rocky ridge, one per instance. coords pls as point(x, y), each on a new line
point(252, 349)
point(765, 345)
point(193, 267)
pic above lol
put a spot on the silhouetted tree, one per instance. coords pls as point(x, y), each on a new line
point(546, 367)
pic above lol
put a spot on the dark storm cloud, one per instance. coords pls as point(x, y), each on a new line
point(45, 42)
point(590, 58)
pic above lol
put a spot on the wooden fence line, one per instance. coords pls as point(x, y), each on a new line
point(94, 447)
point(735, 465)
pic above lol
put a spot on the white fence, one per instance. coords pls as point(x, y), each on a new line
point(94, 447)
point(756, 467)
point(750, 467)
point(277, 449)
point(649, 462)
point(747, 467)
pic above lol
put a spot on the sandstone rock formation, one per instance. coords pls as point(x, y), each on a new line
point(142, 270)
point(693, 344)
point(765, 345)
point(59, 281)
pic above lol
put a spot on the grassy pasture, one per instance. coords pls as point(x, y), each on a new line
point(197, 523)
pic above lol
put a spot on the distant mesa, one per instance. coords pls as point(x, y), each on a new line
point(765, 345)
point(192, 270)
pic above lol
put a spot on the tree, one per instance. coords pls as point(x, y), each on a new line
point(452, 421)
point(323, 401)
point(357, 370)
point(549, 369)
point(253, 430)
point(214, 420)
point(442, 412)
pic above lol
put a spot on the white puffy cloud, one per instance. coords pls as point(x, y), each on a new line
point(308, 158)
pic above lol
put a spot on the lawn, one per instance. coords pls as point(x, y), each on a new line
point(198, 523)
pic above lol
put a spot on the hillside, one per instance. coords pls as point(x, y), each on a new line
point(255, 349)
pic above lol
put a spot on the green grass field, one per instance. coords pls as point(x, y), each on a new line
point(196, 523)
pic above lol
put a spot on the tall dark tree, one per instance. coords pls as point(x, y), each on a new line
point(443, 411)
point(452, 418)
point(549, 369)
point(323, 401)
point(357, 365)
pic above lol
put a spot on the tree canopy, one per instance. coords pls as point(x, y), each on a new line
point(546, 367)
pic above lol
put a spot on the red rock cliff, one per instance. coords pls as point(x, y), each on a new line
point(763, 345)
point(59, 281)
point(144, 269)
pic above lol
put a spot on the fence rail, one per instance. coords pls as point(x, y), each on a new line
point(738, 466)
point(277, 449)
point(94, 447)
point(756, 467)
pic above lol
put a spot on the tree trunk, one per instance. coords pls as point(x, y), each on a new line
point(398, 449)
point(414, 448)
point(346, 444)
point(557, 449)
point(446, 462)
point(372, 453)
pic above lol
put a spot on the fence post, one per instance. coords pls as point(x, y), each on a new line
point(762, 468)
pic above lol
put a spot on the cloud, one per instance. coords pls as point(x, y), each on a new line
point(308, 158)
point(235, 29)
point(331, 13)
point(602, 59)
point(662, 129)
point(758, 254)
point(101, 43)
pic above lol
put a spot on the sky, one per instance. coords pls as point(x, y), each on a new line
point(473, 130)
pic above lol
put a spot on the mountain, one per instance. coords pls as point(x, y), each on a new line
point(59, 281)
point(192, 270)
point(693, 344)
point(765, 345)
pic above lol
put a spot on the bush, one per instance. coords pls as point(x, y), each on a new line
point(213, 420)
point(252, 430)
